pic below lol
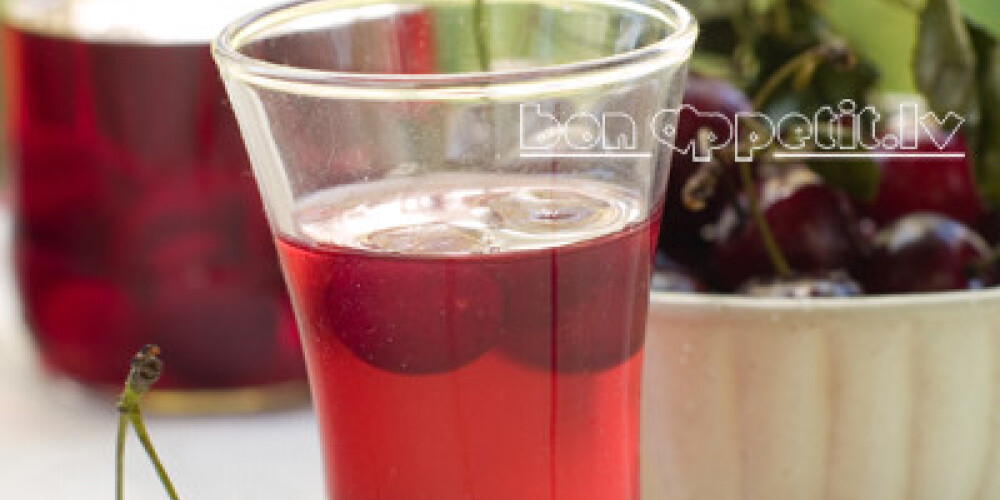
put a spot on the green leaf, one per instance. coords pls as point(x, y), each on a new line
point(858, 178)
point(945, 63)
point(983, 13)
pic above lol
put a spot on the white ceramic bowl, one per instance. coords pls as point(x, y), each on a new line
point(874, 398)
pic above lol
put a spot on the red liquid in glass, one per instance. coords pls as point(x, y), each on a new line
point(509, 375)
point(137, 220)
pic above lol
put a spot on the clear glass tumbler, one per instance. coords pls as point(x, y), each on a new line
point(465, 198)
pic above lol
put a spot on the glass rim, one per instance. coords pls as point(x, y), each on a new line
point(675, 47)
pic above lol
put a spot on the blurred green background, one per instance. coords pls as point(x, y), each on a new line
point(884, 31)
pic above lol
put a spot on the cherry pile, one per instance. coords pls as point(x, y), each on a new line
point(925, 229)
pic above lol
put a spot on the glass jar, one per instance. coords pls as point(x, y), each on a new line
point(136, 216)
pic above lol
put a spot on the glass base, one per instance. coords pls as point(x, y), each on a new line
point(258, 399)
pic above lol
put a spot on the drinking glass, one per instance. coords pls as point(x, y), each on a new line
point(465, 198)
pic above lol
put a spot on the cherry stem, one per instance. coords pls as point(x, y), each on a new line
point(145, 370)
point(120, 454)
point(774, 253)
point(784, 72)
point(140, 431)
point(479, 27)
point(700, 187)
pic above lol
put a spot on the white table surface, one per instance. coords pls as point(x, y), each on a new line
point(56, 443)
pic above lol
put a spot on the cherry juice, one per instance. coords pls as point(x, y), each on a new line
point(137, 219)
point(474, 337)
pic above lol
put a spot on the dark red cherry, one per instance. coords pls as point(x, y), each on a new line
point(813, 224)
point(833, 284)
point(203, 224)
point(924, 252)
point(941, 185)
point(709, 95)
point(578, 308)
point(410, 318)
point(682, 235)
point(80, 320)
point(68, 193)
point(403, 315)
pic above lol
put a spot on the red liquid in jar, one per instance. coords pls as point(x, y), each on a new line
point(479, 342)
point(137, 219)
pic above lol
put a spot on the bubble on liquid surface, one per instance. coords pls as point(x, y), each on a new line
point(429, 238)
point(437, 214)
point(542, 210)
